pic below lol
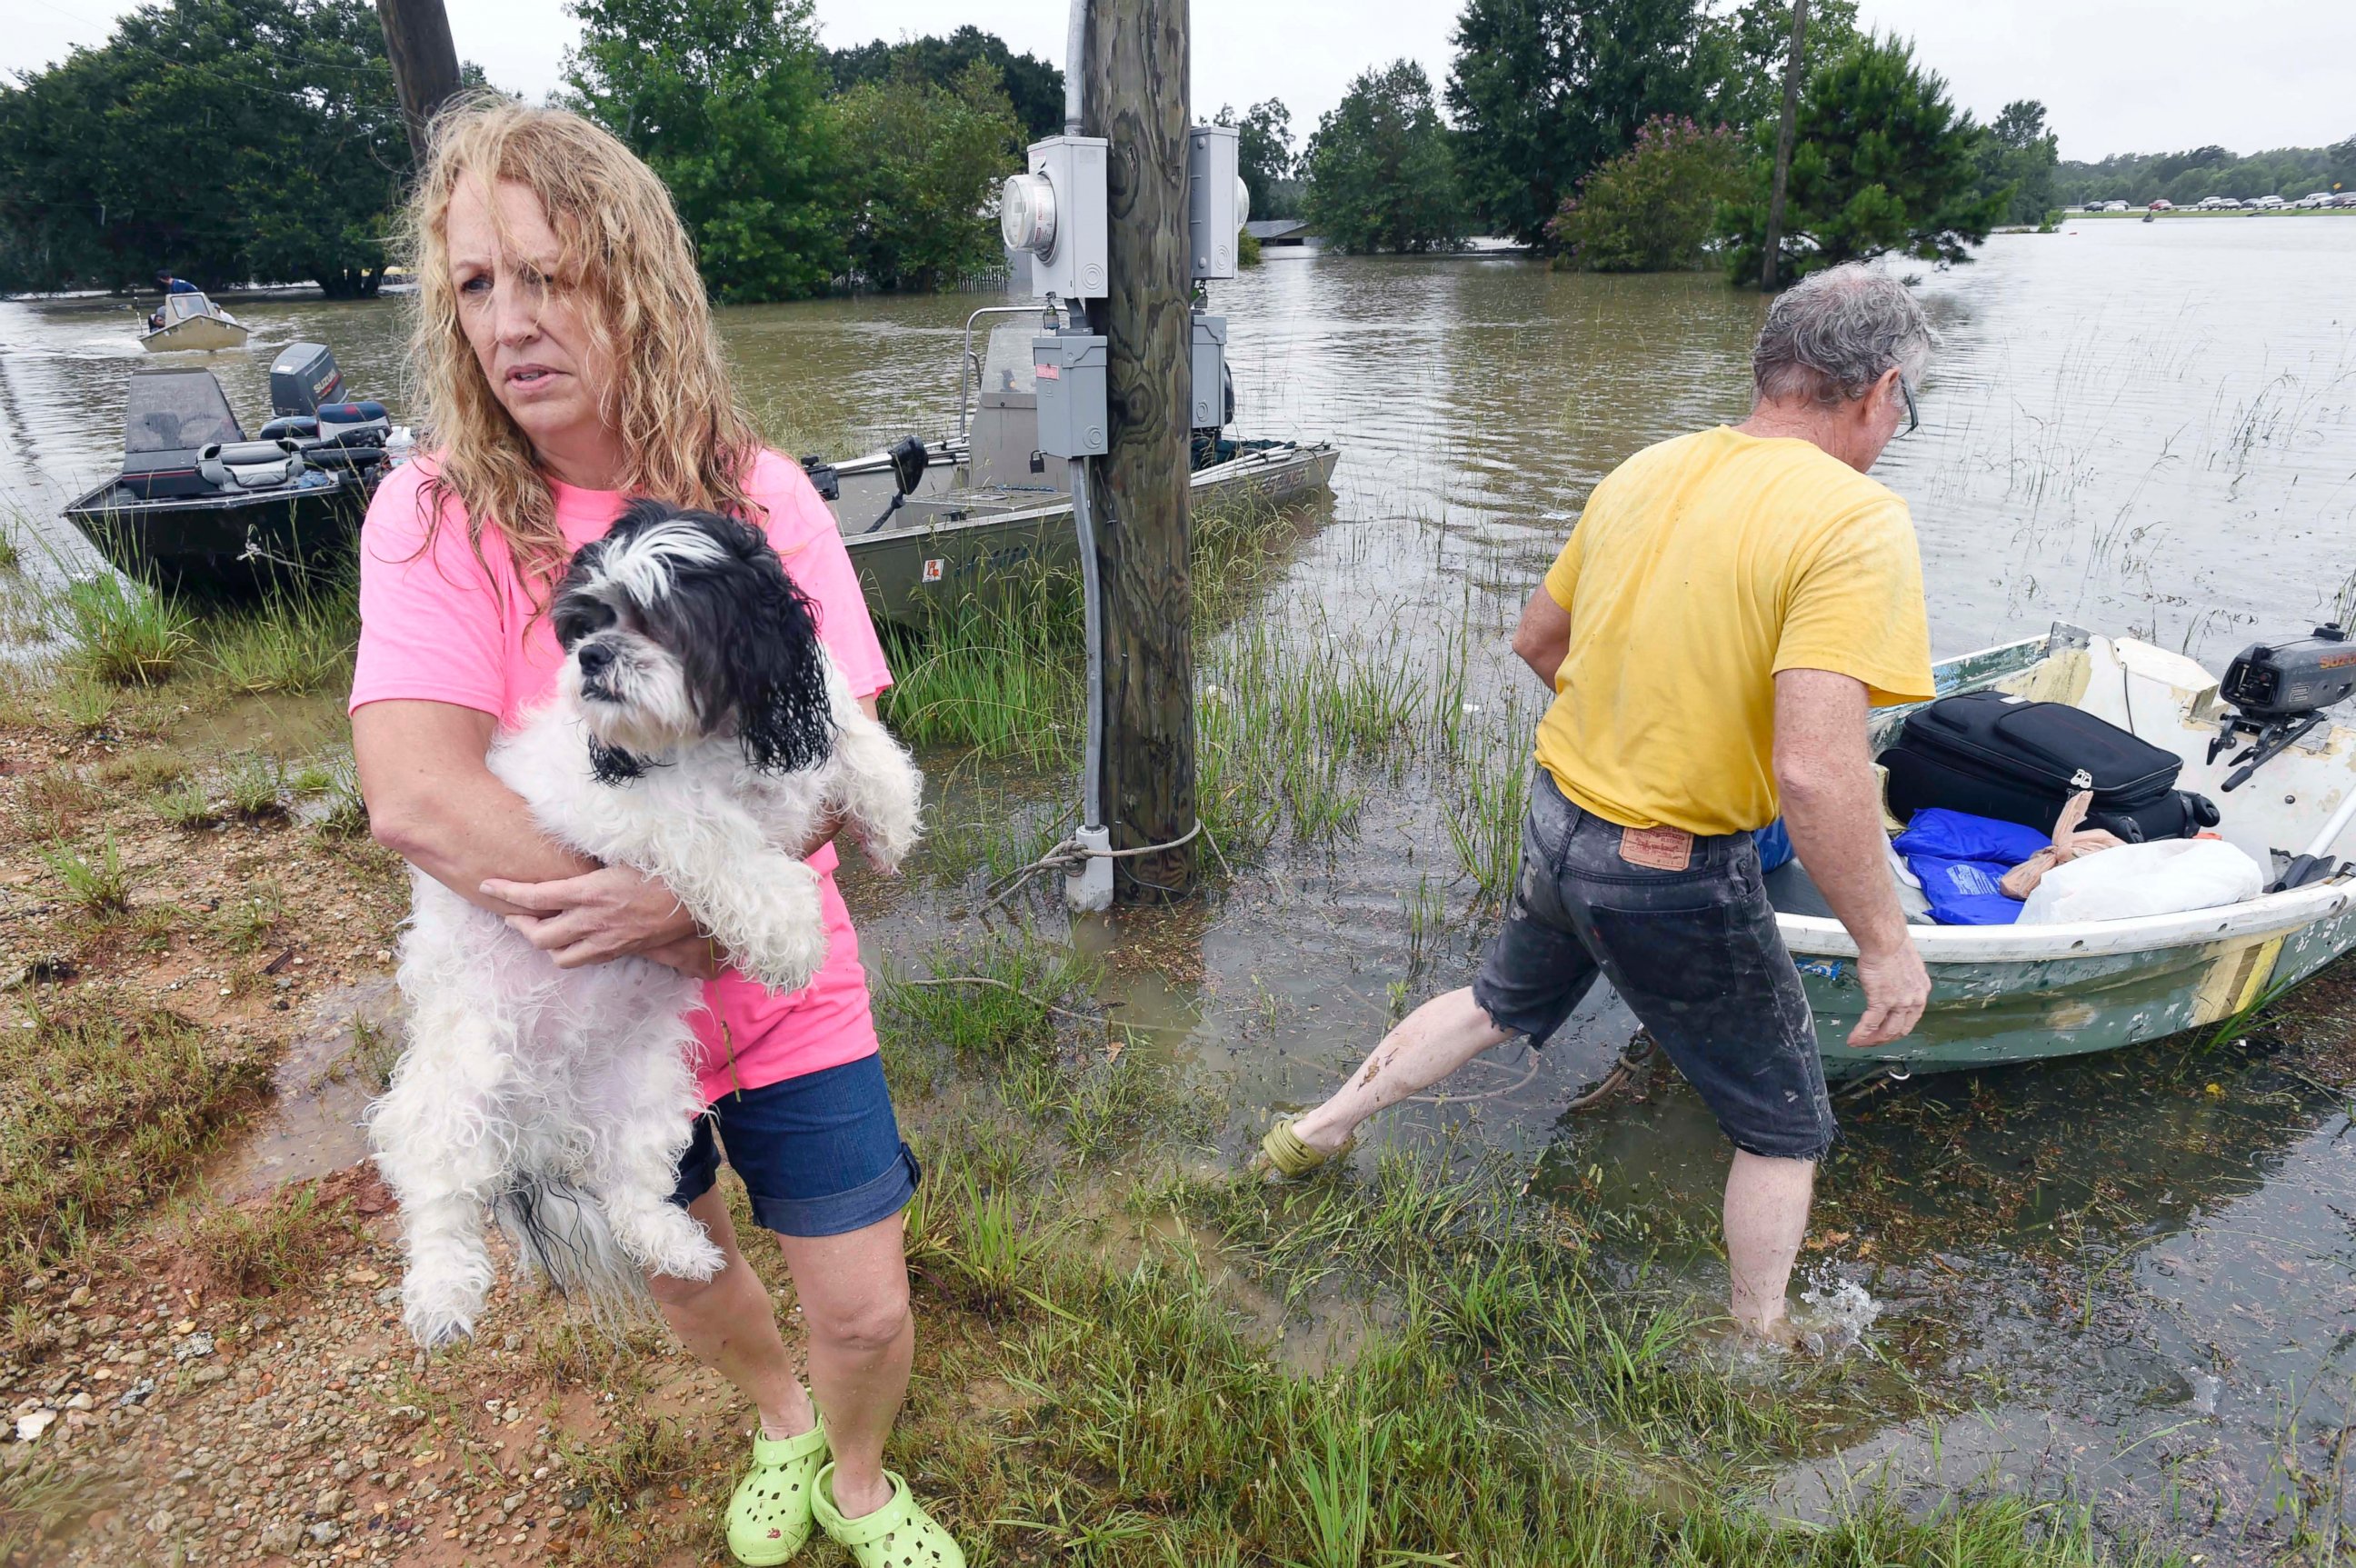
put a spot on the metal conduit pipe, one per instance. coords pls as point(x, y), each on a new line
point(1076, 47)
point(1092, 619)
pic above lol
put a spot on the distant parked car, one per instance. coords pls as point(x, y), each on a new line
point(2269, 203)
point(2114, 207)
point(2315, 198)
point(2344, 199)
point(2163, 205)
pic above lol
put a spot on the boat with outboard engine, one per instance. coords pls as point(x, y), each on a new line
point(200, 507)
point(193, 322)
point(928, 521)
point(2009, 994)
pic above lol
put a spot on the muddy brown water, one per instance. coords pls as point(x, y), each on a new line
point(2139, 1270)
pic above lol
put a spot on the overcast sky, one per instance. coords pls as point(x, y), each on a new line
point(2115, 75)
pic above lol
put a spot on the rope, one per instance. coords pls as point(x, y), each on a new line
point(1640, 1051)
point(1071, 855)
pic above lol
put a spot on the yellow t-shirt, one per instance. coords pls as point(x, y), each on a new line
point(1700, 568)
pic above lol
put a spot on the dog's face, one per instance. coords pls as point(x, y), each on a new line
point(682, 625)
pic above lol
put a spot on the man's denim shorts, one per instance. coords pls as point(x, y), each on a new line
point(819, 1155)
point(1694, 952)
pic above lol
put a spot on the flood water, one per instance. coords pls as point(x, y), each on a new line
point(2138, 1272)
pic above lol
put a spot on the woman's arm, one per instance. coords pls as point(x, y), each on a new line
point(434, 801)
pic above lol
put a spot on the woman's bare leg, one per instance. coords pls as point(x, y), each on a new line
point(855, 1296)
point(729, 1324)
point(1430, 1043)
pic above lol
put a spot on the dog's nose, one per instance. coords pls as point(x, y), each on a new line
point(596, 658)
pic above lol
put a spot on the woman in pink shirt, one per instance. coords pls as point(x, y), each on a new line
point(567, 361)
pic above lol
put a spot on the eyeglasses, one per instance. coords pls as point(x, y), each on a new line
point(1914, 418)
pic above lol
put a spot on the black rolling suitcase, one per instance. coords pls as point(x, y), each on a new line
point(1996, 756)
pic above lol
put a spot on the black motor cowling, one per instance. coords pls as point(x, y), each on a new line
point(303, 377)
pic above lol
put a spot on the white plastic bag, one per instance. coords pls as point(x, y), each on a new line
point(2163, 877)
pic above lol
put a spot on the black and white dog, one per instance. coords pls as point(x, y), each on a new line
point(700, 734)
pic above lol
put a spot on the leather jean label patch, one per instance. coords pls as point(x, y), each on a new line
point(1658, 849)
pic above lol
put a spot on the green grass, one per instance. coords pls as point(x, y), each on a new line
point(102, 1114)
point(296, 642)
point(287, 1238)
point(253, 788)
point(97, 886)
point(124, 633)
point(43, 1495)
point(999, 670)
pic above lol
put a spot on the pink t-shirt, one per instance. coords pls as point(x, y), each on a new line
point(441, 626)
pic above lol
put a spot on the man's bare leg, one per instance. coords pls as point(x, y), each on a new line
point(1766, 1217)
point(1429, 1044)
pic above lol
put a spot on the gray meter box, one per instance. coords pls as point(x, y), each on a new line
point(1215, 203)
point(1068, 371)
point(1077, 266)
point(1208, 401)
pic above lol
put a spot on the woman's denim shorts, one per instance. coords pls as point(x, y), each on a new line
point(820, 1154)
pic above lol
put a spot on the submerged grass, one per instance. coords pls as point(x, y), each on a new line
point(297, 641)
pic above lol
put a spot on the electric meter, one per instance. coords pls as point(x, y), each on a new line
point(1026, 213)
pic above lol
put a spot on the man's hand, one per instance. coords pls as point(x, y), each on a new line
point(1896, 986)
point(612, 912)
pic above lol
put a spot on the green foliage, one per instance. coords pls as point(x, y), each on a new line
point(1651, 208)
point(1382, 173)
point(1246, 249)
point(1881, 161)
point(1756, 44)
point(225, 139)
point(724, 100)
point(1264, 156)
point(1543, 90)
point(920, 165)
point(125, 634)
point(2187, 177)
point(1033, 85)
point(2016, 158)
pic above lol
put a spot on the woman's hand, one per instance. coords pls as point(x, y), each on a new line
point(612, 912)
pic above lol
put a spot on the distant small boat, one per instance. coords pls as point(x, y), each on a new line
point(194, 323)
point(2001, 995)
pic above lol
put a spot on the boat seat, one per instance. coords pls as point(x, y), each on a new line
point(1793, 891)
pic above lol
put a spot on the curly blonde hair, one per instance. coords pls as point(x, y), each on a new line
point(685, 438)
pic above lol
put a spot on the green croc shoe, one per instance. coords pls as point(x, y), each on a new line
point(770, 1517)
point(1285, 1157)
point(898, 1535)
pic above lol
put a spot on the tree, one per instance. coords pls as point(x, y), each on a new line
point(2016, 158)
point(1264, 156)
point(1653, 208)
point(1543, 90)
point(1756, 44)
point(723, 98)
point(1881, 161)
point(1034, 86)
point(227, 140)
point(2185, 177)
point(1382, 175)
point(920, 168)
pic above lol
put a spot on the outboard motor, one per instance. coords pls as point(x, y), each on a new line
point(303, 377)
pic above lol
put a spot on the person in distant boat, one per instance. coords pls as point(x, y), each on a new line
point(169, 284)
point(1727, 609)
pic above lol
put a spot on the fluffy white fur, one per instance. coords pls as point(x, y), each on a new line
point(564, 1097)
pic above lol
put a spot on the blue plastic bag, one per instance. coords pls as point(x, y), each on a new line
point(1959, 835)
point(1961, 858)
point(1774, 844)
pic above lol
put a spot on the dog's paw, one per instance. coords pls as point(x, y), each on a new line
point(673, 1242)
point(436, 1328)
point(793, 962)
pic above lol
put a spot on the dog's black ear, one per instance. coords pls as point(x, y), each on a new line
point(777, 674)
point(747, 639)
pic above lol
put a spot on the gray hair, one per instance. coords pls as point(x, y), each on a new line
point(1834, 333)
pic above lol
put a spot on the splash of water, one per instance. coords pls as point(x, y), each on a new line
point(1838, 1312)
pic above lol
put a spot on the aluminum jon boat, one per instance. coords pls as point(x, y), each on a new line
point(2016, 993)
point(192, 322)
point(926, 523)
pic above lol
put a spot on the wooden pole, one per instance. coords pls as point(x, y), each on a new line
point(1784, 147)
point(1137, 98)
point(424, 61)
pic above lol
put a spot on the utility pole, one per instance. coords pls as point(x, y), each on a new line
point(1784, 147)
point(425, 62)
point(1137, 92)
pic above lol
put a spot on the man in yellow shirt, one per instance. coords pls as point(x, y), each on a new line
point(1729, 606)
